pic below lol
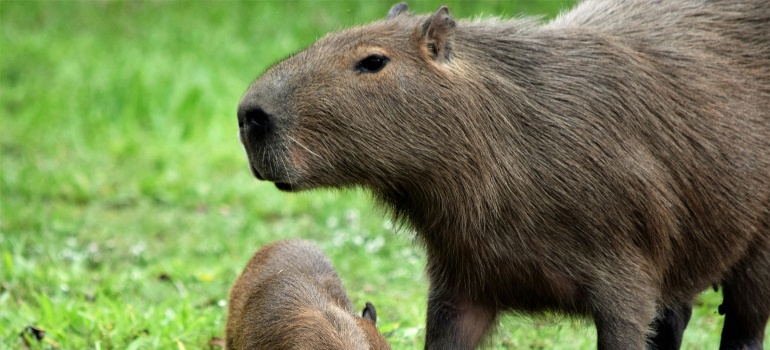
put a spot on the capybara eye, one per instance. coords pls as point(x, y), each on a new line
point(372, 64)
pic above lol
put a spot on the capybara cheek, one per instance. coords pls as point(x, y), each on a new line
point(297, 158)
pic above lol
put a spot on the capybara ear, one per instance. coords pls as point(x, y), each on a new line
point(438, 32)
point(369, 313)
point(397, 9)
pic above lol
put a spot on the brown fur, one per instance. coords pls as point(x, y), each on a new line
point(612, 162)
point(289, 297)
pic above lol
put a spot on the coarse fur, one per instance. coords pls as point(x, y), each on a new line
point(289, 297)
point(613, 162)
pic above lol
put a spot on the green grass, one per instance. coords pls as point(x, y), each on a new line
point(127, 207)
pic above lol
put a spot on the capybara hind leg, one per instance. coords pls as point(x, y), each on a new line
point(669, 327)
point(454, 323)
point(746, 304)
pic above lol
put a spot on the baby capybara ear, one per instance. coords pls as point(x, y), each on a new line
point(396, 10)
point(369, 313)
point(438, 32)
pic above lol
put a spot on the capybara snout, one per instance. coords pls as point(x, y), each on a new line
point(262, 129)
point(255, 120)
point(290, 297)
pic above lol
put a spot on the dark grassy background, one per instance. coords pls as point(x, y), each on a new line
point(127, 208)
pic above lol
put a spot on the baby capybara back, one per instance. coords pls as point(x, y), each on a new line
point(290, 297)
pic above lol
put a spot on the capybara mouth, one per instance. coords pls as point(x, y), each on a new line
point(255, 172)
point(283, 186)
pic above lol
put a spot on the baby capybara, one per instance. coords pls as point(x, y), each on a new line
point(613, 162)
point(290, 297)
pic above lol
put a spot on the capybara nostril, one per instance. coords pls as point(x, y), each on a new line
point(254, 118)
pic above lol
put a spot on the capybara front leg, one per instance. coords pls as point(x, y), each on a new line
point(669, 327)
point(616, 332)
point(746, 304)
point(623, 310)
point(744, 327)
point(455, 323)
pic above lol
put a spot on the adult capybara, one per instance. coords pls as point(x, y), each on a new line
point(290, 297)
point(613, 162)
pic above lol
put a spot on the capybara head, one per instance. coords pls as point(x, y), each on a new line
point(290, 297)
point(368, 323)
point(374, 89)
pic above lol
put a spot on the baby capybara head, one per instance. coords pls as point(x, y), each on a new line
point(290, 297)
point(340, 112)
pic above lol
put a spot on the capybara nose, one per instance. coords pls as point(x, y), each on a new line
point(254, 120)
